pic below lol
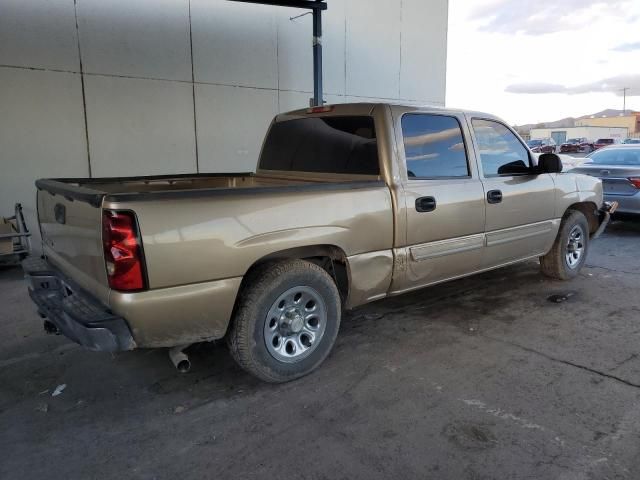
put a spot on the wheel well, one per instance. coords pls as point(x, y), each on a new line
point(329, 257)
point(589, 210)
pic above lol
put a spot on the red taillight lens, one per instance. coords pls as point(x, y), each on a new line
point(122, 251)
point(635, 181)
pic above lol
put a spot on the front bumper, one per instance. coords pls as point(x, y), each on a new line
point(76, 314)
point(605, 212)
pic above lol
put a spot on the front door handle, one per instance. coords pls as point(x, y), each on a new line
point(494, 196)
point(425, 204)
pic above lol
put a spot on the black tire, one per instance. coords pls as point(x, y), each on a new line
point(262, 287)
point(555, 263)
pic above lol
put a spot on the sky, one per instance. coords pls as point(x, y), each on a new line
point(530, 61)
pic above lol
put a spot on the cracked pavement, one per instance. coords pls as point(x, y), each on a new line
point(481, 378)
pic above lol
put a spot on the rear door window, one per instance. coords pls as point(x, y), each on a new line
point(343, 145)
point(434, 147)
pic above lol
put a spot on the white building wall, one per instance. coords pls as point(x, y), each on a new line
point(592, 133)
point(135, 87)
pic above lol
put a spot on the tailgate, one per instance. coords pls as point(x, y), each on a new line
point(72, 241)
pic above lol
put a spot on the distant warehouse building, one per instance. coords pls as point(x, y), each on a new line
point(631, 122)
point(562, 134)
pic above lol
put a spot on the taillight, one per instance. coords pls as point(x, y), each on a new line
point(122, 251)
point(635, 181)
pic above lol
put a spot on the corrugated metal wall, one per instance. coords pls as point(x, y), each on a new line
point(135, 87)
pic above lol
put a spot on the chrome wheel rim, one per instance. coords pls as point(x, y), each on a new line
point(295, 324)
point(575, 246)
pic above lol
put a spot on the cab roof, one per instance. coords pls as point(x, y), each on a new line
point(367, 108)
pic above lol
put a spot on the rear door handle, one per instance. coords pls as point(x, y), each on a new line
point(425, 204)
point(494, 196)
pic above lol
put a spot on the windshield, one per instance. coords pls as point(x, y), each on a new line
point(632, 140)
point(534, 143)
point(605, 140)
point(573, 140)
point(616, 156)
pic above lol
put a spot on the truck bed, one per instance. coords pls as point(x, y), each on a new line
point(95, 190)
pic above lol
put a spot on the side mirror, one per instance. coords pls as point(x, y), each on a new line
point(514, 168)
point(549, 163)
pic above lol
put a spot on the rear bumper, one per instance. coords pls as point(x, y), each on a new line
point(76, 314)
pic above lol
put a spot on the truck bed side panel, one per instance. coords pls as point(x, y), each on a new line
point(202, 239)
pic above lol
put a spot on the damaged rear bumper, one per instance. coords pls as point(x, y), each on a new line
point(76, 314)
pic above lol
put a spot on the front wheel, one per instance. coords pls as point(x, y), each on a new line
point(286, 320)
point(569, 251)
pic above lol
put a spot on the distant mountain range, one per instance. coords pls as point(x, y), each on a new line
point(569, 121)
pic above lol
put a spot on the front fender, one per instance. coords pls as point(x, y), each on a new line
point(572, 188)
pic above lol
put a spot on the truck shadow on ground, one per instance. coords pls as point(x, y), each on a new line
point(459, 305)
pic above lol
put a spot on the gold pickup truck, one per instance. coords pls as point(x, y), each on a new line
point(350, 204)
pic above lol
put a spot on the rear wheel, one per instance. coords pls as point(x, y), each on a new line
point(569, 251)
point(286, 321)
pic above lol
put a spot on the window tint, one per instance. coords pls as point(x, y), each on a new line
point(322, 145)
point(617, 156)
point(433, 146)
point(501, 153)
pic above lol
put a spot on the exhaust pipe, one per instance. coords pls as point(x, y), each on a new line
point(180, 359)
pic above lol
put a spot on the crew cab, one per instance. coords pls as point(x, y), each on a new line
point(350, 203)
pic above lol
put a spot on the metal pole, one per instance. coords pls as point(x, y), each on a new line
point(317, 57)
point(624, 100)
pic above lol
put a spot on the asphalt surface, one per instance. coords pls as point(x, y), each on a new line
point(482, 378)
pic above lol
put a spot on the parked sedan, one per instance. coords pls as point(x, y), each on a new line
point(576, 145)
point(542, 145)
point(603, 142)
point(619, 169)
point(632, 141)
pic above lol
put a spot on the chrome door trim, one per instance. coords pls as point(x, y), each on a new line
point(506, 235)
point(440, 248)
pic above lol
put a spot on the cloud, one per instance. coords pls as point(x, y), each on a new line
point(607, 85)
point(535, 87)
point(543, 16)
point(428, 156)
point(627, 47)
point(457, 146)
point(431, 137)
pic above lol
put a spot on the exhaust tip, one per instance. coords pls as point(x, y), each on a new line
point(184, 366)
point(180, 359)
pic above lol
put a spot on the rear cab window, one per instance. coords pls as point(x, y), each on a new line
point(328, 144)
point(434, 147)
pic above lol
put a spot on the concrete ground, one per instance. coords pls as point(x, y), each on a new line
point(482, 378)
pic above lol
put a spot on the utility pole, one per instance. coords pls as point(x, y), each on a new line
point(624, 100)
